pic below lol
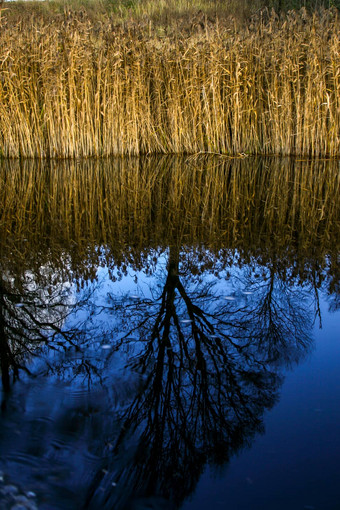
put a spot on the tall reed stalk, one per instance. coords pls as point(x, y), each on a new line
point(72, 87)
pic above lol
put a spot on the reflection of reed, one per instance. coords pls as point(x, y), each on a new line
point(158, 201)
point(200, 372)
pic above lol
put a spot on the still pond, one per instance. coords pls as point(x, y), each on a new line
point(169, 334)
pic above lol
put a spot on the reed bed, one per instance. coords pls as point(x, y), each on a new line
point(72, 87)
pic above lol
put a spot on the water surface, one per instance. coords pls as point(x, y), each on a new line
point(169, 334)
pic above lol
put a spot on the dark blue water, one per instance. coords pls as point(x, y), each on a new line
point(171, 389)
point(295, 464)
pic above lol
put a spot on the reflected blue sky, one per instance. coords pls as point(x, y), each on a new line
point(72, 404)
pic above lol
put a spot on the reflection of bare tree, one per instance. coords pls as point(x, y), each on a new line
point(200, 369)
point(31, 324)
point(333, 282)
point(277, 316)
point(24, 327)
point(210, 369)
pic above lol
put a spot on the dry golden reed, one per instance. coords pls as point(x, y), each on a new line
point(74, 87)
